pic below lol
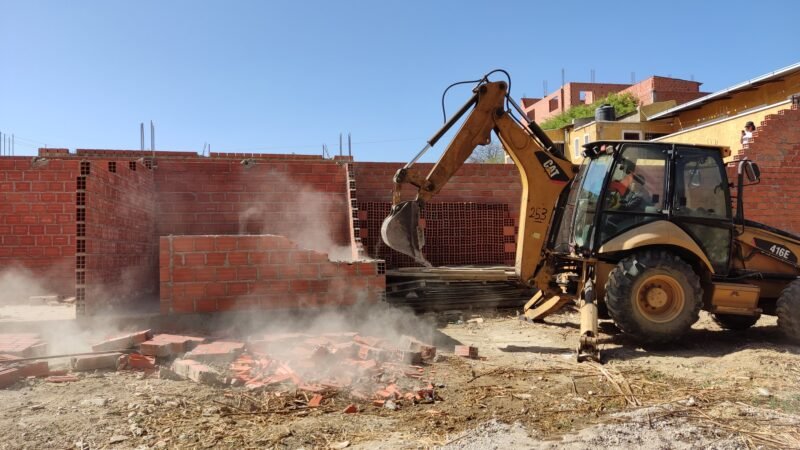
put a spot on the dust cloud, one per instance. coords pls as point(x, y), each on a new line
point(62, 333)
point(17, 284)
point(308, 213)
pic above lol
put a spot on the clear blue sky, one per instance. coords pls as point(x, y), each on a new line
point(288, 76)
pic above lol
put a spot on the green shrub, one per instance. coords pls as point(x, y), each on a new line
point(623, 104)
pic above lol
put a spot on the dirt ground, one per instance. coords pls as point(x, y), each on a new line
point(716, 389)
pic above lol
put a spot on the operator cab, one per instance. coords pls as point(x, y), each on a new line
point(623, 185)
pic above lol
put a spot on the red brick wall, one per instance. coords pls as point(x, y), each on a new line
point(120, 263)
point(476, 183)
point(455, 234)
point(37, 220)
point(776, 149)
point(219, 273)
point(471, 221)
point(305, 200)
point(540, 110)
point(659, 89)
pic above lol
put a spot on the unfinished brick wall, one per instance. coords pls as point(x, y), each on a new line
point(455, 234)
point(776, 148)
point(475, 183)
point(37, 220)
point(471, 221)
point(659, 89)
point(302, 199)
point(220, 273)
point(117, 259)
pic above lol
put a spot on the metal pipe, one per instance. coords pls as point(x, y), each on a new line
point(152, 139)
point(66, 355)
point(446, 127)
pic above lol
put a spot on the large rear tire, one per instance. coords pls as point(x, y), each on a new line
point(654, 296)
point(788, 311)
point(735, 322)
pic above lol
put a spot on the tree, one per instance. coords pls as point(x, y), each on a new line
point(622, 103)
point(488, 154)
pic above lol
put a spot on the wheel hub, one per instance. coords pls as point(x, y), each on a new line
point(659, 298)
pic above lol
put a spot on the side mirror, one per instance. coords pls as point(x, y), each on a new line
point(752, 171)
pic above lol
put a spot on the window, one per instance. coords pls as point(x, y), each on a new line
point(577, 150)
point(553, 104)
point(702, 203)
point(651, 136)
point(582, 97)
point(588, 198)
point(585, 138)
point(635, 193)
point(631, 136)
point(700, 187)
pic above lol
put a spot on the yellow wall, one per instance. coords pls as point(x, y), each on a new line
point(725, 132)
point(718, 122)
point(609, 131)
point(766, 94)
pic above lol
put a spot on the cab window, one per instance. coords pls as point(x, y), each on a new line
point(700, 186)
point(587, 199)
point(635, 192)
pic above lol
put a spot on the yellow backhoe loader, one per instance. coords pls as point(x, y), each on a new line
point(642, 231)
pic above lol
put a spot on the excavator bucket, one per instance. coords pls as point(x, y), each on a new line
point(401, 231)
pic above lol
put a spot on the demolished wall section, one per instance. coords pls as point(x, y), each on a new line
point(304, 200)
point(119, 264)
point(221, 273)
point(37, 220)
point(775, 147)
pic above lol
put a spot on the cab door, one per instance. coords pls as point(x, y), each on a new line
point(701, 203)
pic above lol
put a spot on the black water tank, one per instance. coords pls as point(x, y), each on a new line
point(605, 112)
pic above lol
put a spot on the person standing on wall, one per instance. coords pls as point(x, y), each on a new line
point(747, 133)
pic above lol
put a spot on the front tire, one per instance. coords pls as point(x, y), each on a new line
point(654, 296)
point(788, 311)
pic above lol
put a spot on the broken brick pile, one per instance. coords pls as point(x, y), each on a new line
point(221, 273)
point(363, 367)
point(17, 346)
point(24, 345)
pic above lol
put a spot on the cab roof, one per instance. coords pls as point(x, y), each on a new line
point(723, 151)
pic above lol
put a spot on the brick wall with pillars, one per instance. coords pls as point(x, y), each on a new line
point(118, 267)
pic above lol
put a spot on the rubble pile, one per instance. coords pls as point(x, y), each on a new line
point(315, 368)
point(362, 367)
point(15, 348)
